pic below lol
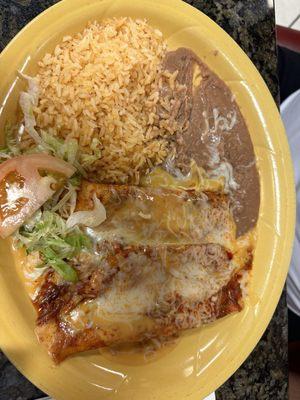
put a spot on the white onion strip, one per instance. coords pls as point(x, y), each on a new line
point(90, 218)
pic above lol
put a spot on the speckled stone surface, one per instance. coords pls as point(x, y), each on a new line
point(264, 375)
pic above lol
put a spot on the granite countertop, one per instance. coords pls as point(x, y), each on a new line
point(264, 375)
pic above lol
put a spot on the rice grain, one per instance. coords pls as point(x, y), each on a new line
point(103, 83)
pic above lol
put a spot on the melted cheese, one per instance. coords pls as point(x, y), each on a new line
point(145, 283)
point(197, 179)
point(156, 216)
point(225, 171)
point(166, 261)
point(197, 282)
point(224, 123)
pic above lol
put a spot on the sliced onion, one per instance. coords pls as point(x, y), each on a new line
point(90, 218)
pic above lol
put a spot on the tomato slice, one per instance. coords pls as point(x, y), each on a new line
point(23, 190)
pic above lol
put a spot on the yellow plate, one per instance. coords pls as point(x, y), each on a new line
point(203, 359)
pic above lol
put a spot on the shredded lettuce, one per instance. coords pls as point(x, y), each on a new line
point(78, 241)
point(26, 104)
point(33, 87)
point(67, 150)
point(10, 148)
point(28, 100)
point(53, 231)
point(48, 233)
point(75, 180)
point(87, 159)
point(59, 265)
point(11, 141)
point(64, 201)
point(59, 206)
